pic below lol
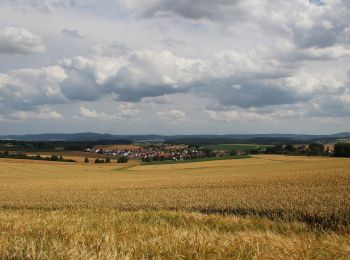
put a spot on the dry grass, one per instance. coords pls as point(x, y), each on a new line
point(275, 207)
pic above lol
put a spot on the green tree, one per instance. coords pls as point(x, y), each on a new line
point(289, 148)
point(315, 149)
point(342, 150)
point(99, 161)
point(54, 157)
point(233, 152)
point(123, 159)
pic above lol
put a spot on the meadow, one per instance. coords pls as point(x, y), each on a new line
point(262, 207)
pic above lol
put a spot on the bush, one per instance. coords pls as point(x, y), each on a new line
point(108, 160)
point(233, 153)
point(342, 150)
point(86, 160)
point(289, 148)
point(99, 161)
point(315, 149)
point(54, 157)
point(123, 159)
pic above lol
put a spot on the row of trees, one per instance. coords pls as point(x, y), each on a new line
point(23, 156)
point(313, 149)
point(342, 150)
point(122, 159)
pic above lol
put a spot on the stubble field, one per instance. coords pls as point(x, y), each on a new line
point(261, 207)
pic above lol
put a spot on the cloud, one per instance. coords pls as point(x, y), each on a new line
point(237, 115)
point(125, 112)
point(327, 106)
point(26, 89)
point(73, 33)
point(255, 60)
point(41, 113)
point(131, 76)
point(173, 43)
point(86, 113)
point(171, 115)
point(157, 100)
point(246, 80)
point(199, 9)
point(20, 41)
point(308, 23)
point(44, 6)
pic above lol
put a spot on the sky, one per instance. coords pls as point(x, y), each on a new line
point(174, 67)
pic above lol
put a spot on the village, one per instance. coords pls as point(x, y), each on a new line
point(157, 152)
point(163, 152)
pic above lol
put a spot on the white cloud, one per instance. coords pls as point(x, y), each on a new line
point(20, 41)
point(125, 112)
point(45, 6)
point(73, 33)
point(251, 60)
point(157, 100)
point(87, 113)
point(42, 113)
point(237, 115)
point(131, 76)
point(171, 115)
point(24, 89)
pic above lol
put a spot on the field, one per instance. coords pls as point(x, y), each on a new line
point(118, 147)
point(262, 207)
point(231, 147)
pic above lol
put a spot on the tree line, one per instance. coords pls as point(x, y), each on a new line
point(122, 159)
point(313, 149)
point(23, 156)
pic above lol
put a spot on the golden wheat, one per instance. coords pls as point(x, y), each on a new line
point(288, 206)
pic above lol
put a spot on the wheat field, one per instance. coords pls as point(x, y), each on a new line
point(263, 207)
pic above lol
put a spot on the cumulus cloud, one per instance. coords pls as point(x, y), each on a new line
point(125, 112)
point(199, 9)
point(237, 115)
point(44, 6)
point(157, 100)
point(87, 113)
point(27, 89)
point(20, 41)
point(131, 76)
point(42, 113)
point(246, 80)
point(172, 115)
point(256, 60)
point(308, 23)
point(73, 33)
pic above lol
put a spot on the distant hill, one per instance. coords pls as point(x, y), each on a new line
point(78, 137)
point(229, 138)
